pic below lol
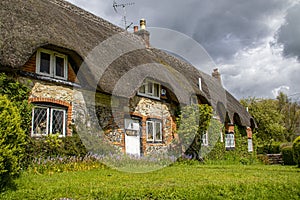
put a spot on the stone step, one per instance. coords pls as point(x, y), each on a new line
point(275, 159)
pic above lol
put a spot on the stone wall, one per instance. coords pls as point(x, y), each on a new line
point(149, 108)
point(102, 116)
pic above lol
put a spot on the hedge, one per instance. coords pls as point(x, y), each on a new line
point(296, 150)
point(287, 155)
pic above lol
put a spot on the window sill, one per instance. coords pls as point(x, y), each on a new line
point(44, 135)
point(148, 96)
point(49, 78)
point(155, 143)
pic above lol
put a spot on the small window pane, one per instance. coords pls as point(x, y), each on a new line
point(59, 66)
point(58, 121)
point(39, 125)
point(150, 87)
point(156, 90)
point(45, 63)
point(158, 135)
point(149, 130)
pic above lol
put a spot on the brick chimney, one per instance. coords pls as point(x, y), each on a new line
point(216, 74)
point(143, 33)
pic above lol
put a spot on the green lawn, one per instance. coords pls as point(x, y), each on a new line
point(175, 182)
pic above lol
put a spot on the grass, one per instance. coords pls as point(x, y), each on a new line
point(175, 182)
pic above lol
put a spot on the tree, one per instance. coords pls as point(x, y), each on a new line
point(270, 121)
point(291, 112)
point(277, 119)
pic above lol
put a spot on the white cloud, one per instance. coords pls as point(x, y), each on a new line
point(285, 89)
point(261, 71)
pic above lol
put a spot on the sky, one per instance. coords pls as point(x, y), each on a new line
point(255, 44)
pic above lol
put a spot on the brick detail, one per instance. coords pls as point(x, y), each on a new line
point(59, 102)
point(30, 65)
point(71, 74)
point(249, 132)
point(231, 128)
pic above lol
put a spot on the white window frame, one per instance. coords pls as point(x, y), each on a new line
point(205, 138)
point(147, 89)
point(49, 121)
point(229, 140)
point(154, 124)
point(53, 56)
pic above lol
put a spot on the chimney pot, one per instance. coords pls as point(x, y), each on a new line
point(143, 24)
point(135, 28)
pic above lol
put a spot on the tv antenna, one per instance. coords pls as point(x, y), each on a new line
point(123, 5)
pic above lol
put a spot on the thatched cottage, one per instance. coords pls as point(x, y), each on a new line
point(85, 71)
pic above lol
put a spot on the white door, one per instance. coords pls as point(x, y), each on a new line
point(132, 137)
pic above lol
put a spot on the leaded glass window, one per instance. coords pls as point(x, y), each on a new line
point(229, 140)
point(48, 120)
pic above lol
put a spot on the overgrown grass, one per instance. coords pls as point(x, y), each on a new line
point(175, 182)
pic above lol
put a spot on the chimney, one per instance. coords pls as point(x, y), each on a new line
point(143, 33)
point(135, 29)
point(216, 74)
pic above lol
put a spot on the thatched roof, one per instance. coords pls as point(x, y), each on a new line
point(27, 25)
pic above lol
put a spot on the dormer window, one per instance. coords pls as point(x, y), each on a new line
point(150, 89)
point(51, 63)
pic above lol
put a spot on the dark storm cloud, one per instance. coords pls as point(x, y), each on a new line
point(222, 26)
point(289, 34)
point(235, 33)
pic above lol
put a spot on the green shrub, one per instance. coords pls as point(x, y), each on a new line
point(12, 141)
point(296, 150)
point(53, 146)
point(240, 153)
point(287, 155)
point(18, 94)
